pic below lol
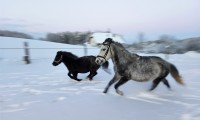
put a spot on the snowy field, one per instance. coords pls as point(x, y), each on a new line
point(40, 91)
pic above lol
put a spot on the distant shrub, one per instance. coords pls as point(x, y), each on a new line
point(68, 37)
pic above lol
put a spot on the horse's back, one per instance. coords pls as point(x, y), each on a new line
point(88, 59)
point(146, 68)
point(153, 60)
point(88, 62)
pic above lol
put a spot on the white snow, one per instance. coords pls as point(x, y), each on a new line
point(40, 91)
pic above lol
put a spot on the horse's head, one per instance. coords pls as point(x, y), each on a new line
point(58, 58)
point(105, 51)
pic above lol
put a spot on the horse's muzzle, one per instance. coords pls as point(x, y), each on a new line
point(98, 61)
point(54, 64)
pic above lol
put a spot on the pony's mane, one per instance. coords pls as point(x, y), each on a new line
point(69, 54)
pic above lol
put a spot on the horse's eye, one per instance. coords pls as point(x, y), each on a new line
point(104, 49)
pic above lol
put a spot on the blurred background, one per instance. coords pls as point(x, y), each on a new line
point(169, 27)
point(71, 21)
point(32, 31)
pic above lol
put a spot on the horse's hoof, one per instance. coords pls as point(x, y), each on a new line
point(105, 91)
point(90, 79)
point(78, 80)
point(119, 92)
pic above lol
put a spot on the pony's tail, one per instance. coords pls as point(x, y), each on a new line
point(105, 67)
point(175, 74)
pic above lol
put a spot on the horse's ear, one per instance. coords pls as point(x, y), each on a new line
point(59, 52)
point(109, 40)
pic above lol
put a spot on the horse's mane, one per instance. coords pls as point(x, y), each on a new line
point(69, 54)
point(119, 45)
point(124, 52)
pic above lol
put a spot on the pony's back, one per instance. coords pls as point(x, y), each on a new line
point(70, 55)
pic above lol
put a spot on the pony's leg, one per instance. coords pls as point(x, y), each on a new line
point(92, 74)
point(75, 76)
point(119, 83)
point(155, 84)
point(89, 75)
point(113, 80)
point(69, 74)
point(165, 81)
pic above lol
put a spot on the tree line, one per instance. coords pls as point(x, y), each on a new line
point(68, 37)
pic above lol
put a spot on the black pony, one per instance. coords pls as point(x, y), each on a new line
point(77, 64)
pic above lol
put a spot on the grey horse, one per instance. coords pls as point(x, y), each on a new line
point(130, 66)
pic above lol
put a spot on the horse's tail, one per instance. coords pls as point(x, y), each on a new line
point(105, 67)
point(175, 74)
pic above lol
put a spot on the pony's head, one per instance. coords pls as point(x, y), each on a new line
point(105, 51)
point(58, 58)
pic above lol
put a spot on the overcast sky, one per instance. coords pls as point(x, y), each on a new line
point(180, 18)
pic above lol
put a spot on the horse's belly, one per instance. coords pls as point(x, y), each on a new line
point(142, 77)
point(82, 71)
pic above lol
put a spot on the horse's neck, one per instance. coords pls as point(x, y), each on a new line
point(67, 64)
point(68, 61)
point(121, 57)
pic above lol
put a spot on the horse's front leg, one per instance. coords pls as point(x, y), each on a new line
point(113, 80)
point(75, 74)
point(69, 74)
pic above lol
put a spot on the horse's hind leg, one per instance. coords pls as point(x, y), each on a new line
point(91, 75)
point(166, 83)
point(155, 84)
point(113, 80)
point(119, 83)
point(162, 76)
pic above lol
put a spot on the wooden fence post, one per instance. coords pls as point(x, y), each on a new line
point(26, 56)
point(85, 49)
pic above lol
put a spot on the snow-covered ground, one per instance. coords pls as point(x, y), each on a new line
point(40, 91)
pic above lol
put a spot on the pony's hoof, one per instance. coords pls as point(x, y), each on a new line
point(119, 92)
point(90, 79)
point(78, 80)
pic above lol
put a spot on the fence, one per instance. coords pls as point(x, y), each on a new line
point(28, 53)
